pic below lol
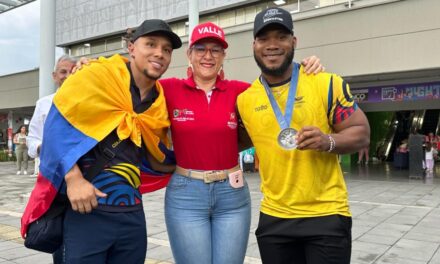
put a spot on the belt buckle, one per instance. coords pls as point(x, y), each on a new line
point(210, 176)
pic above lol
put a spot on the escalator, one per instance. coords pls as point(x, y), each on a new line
point(403, 123)
point(399, 129)
point(431, 121)
point(383, 146)
point(391, 128)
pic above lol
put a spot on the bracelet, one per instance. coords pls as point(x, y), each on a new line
point(332, 143)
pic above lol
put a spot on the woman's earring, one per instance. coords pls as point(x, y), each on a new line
point(221, 74)
point(189, 71)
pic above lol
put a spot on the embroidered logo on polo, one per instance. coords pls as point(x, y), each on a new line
point(182, 115)
point(232, 122)
point(299, 101)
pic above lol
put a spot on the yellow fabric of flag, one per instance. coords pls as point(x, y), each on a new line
point(97, 99)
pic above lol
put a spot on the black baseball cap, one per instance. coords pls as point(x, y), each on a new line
point(151, 26)
point(270, 16)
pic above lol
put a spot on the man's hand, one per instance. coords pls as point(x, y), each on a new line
point(157, 165)
point(310, 137)
point(348, 136)
point(81, 193)
point(313, 65)
point(82, 61)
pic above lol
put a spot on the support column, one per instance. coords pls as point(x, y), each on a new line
point(193, 16)
point(47, 47)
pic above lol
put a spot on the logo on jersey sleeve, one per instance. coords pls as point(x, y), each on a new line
point(182, 115)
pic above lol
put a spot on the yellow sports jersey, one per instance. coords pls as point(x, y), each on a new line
point(298, 183)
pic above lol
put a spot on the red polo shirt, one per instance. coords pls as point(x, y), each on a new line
point(204, 134)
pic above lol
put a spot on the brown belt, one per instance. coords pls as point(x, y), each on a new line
point(206, 176)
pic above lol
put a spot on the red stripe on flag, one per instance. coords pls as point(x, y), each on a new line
point(39, 202)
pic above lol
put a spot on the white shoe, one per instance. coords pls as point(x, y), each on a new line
point(25, 172)
point(18, 172)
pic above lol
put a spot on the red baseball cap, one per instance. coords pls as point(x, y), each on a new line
point(208, 30)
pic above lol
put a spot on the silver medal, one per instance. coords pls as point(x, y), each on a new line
point(286, 138)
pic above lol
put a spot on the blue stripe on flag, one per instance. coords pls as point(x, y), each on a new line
point(63, 146)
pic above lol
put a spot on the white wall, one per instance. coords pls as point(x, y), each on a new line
point(361, 44)
point(399, 36)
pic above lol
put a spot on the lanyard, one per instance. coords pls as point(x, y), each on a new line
point(284, 121)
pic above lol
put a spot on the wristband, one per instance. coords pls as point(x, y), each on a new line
point(332, 143)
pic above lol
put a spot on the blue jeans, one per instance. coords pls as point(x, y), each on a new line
point(207, 223)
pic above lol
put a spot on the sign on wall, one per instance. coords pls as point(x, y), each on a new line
point(404, 92)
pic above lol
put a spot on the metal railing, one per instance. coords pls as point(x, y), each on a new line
point(297, 6)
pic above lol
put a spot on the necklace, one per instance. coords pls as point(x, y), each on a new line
point(278, 91)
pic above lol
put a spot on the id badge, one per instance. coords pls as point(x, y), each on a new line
point(236, 179)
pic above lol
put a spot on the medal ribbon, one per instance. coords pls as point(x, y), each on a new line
point(284, 121)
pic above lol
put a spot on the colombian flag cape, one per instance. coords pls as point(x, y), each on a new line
point(90, 104)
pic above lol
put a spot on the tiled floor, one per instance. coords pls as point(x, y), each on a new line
point(395, 219)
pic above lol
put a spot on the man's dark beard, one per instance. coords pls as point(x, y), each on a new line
point(150, 76)
point(276, 71)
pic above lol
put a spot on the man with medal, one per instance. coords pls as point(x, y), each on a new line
point(299, 124)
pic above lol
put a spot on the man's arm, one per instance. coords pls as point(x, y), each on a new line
point(244, 141)
point(350, 135)
point(157, 165)
point(81, 193)
point(35, 135)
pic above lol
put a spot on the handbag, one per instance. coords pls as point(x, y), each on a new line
point(46, 233)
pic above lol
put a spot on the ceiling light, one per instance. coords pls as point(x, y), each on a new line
point(279, 2)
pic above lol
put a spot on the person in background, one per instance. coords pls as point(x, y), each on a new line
point(430, 156)
point(403, 147)
point(21, 150)
point(61, 71)
point(431, 138)
point(363, 154)
point(249, 160)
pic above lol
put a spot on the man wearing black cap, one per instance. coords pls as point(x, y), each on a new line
point(298, 124)
point(122, 107)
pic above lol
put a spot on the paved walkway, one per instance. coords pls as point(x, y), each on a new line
point(395, 220)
